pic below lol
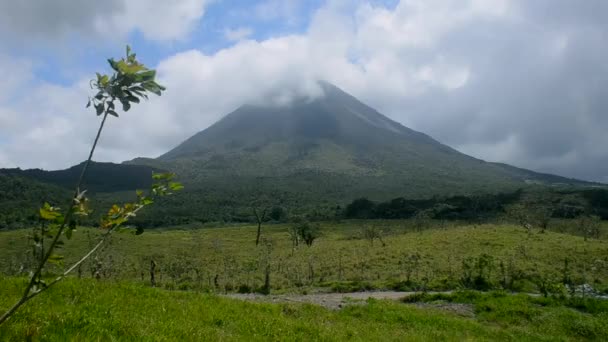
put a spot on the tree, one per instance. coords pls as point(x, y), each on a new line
point(129, 82)
point(259, 217)
point(541, 216)
point(308, 232)
point(361, 208)
point(277, 214)
point(372, 233)
point(521, 215)
point(589, 226)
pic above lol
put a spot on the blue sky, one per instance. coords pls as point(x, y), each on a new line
point(81, 54)
point(503, 80)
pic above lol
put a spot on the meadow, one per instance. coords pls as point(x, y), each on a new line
point(403, 256)
point(111, 296)
point(108, 311)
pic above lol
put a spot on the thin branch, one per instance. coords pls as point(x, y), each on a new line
point(73, 267)
point(68, 216)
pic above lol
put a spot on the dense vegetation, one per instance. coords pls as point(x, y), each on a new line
point(564, 203)
point(224, 201)
point(21, 197)
point(102, 177)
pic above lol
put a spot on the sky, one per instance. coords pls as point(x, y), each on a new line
point(516, 81)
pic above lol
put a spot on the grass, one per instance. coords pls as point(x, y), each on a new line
point(108, 310)
point(122, 306)
point(542, 316)
point(226, 258)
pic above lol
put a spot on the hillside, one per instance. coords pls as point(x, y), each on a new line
point(101, 177)
point(336, 134)
point(308, 156)
point(23, 191)
point(328, 150)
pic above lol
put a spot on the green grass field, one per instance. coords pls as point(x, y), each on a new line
point(226, 258)
point(104, 311)
point(196, 264)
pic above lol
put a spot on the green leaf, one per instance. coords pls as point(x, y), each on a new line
point(125, 105)
point(133, 99)
point(113, 113)
point(163, 176)
point(145, 76)
point(49, 213)
point(129, 68)
point(152, 87)
point(175, 186)
point(55, 259)
point(113, 64)
point(99, 108)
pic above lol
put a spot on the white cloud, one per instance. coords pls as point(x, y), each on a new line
point(286, 10)
point(488, 77)
point(15, 74)
point(237, 34)
point(157, 20)
point(49, 20)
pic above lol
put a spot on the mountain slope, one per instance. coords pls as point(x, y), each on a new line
point(335, 136)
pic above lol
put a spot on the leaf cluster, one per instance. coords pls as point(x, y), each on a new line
point(129, 83)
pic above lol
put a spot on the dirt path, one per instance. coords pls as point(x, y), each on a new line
point(336, 301)
point(329, 300)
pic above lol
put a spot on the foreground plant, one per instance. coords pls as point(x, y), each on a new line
point(130, 82)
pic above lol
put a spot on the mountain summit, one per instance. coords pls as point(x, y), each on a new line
point(336, 118)
point(333, 143)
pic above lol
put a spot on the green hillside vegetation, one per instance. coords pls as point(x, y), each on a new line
point(102, 177)
point(20, 198)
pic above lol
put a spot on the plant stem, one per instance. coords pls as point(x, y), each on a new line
point(68, 216)
point(73, 267)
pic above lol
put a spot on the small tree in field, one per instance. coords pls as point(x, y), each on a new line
point(541, 216)
point(260, 217)
point(307, 232)
point(129, 82)
point(371, 233)
point(522, 216)
point(589, 226)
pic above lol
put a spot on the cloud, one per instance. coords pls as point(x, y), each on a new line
point(237, 34)
point(46, 20)
point(15, 74)
point(286, 10)
point(497, 79)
